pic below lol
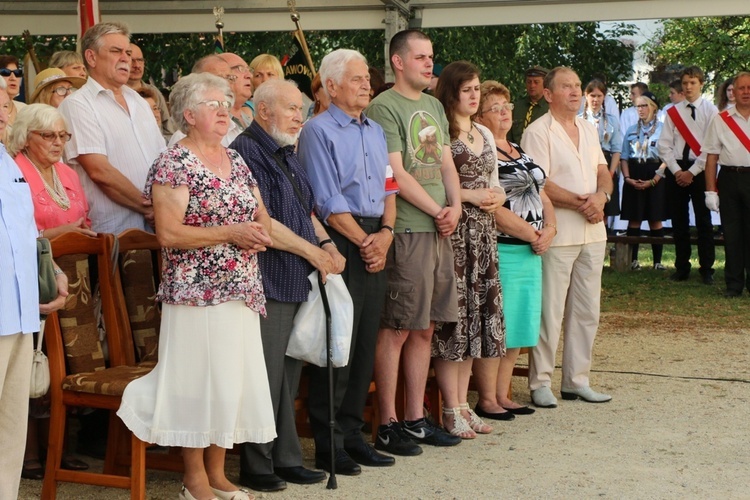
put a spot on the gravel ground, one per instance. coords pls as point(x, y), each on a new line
point(677, 427)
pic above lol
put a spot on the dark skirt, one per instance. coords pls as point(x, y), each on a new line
point(649, 204)
point(612, 207)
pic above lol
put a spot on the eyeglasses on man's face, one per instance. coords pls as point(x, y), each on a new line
point(241, 68)
point(50, 136)
point(231, 78)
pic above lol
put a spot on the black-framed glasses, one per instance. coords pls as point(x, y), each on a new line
point(63, 91)
point(215, 105)
point(640, 106)
point(241, 68)
point(18, 73)
point(50, 136)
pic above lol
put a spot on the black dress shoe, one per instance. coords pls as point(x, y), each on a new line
point(263, 482)
point(708, 279)
point(344, 463)
point(524, 410)
point(364, 454)
point(732, 293)
point(299, 475)
point(678, 276)
point(506, 415)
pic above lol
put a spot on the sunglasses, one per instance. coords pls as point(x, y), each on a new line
point(50, 136)
point(214, 105)
point(5, 72)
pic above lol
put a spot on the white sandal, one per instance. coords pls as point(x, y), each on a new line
point(475, 422)
point(460, 425)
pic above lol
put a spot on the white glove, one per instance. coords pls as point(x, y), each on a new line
point(712, 200)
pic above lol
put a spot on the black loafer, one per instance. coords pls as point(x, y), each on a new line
point(707, 279)
point(344, 463)
point(506, 415)
point(366, 455)
point(263, 482)
point(679, 276)
point(524, 410)
point(732, 293)
point(299, 475)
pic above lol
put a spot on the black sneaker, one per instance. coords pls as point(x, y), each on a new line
point(424, 431)
point(392, 439)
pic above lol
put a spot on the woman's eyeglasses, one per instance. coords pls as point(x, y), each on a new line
point(63, 91)
point(18, 73)
point(214, 105)
point(50, 136)
point(498, 108)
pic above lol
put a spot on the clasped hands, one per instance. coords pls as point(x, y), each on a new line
point(374, 249)
point(683, 178)
point(592, 206)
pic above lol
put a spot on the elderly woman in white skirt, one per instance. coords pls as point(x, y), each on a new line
point(209, 389)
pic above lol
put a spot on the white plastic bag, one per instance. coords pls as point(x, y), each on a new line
point(308, 340)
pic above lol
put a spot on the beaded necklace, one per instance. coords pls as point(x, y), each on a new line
point(56, 191)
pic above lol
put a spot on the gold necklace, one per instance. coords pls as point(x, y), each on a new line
point(468, 133)
point(56, 191)
point(221, 160)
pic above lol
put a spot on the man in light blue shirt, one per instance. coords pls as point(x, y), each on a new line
point(19, 312)
point(346, 158)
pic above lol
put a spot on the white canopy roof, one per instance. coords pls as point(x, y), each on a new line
point(54, 17)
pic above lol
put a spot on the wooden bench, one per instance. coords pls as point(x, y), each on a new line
point(620, 257)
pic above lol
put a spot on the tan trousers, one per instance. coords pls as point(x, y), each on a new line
point(571, 292)
point(15, 375)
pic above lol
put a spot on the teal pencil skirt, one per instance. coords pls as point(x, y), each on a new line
point(521, 280)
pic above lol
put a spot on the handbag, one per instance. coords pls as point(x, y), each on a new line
point(308, 338)
point(39, 369)
point(47, 281)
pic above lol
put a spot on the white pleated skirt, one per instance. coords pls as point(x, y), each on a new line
point(209, 385)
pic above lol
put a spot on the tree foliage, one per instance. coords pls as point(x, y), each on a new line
point(502, 52)
point(719, 45)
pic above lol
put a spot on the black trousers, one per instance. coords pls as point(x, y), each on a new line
point(352, 382)
point(734, 206)
point(678, 201)
point(283, 380)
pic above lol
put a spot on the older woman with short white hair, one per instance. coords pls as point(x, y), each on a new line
point(209, 389)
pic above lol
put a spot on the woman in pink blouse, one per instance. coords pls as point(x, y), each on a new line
point(37, 142)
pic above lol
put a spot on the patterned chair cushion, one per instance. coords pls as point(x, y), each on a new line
point(137, 273)
point(109, 382)
point(78, 319)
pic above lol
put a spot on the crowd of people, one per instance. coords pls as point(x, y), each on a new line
point(466, 226)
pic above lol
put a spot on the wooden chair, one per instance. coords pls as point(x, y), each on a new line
point(78, 373)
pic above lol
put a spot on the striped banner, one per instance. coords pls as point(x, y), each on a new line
point(88, 15)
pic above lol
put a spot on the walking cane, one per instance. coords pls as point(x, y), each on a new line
point(329, 349)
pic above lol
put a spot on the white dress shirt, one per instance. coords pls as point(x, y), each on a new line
point(722, 141)
point(130, 139)
point(671, 143)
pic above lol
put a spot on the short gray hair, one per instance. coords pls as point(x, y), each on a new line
point(3, 85)
point(271, 90)
point(32, 117)
point(333, 66)
point(92, 39)
point(190, 90)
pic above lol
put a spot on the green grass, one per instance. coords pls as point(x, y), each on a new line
point(649, 296)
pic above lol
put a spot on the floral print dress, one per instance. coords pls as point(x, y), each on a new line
point(480, 330)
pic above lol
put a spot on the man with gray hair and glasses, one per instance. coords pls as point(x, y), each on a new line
point(115, 137)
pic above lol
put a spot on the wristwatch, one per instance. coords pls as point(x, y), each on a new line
point(607, 195)
point(389, 228)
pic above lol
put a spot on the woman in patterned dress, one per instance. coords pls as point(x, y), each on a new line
point(526, 226)
point(480, 330)
point(209, 389)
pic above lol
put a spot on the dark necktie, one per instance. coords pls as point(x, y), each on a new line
point(686, 149)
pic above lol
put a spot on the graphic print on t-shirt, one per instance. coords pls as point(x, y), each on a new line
point(425, 142)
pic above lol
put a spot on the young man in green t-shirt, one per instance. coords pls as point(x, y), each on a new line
point(421, 281)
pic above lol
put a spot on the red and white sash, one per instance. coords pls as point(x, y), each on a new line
point(684, 130)
point(735, 127)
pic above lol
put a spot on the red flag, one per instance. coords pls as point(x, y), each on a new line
point(88, 15)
